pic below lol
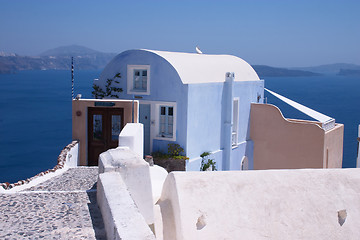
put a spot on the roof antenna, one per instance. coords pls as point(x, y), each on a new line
point(198, 50)
point(72, 78)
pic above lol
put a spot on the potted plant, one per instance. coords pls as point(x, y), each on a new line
point(173, 160)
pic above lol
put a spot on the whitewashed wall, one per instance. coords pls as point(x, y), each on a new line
point(270, 204)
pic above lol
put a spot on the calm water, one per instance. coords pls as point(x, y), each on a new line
point(335, 96)
point(35, 119)
point(35, 114)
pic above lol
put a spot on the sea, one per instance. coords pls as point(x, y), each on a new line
point(35, 113)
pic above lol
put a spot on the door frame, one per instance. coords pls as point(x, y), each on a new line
point(106, 112)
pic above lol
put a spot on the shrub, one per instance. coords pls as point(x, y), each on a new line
point(206, 163)
point(174, 151)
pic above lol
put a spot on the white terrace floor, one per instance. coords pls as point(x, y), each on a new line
point(63, 207)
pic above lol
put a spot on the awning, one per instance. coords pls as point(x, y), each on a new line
point(326, 121)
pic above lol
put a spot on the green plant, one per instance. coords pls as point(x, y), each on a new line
point(206, 163)
point(110, 91)
point(175, 151)
point(160, 155)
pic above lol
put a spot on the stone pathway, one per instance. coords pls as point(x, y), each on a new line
point(63, 207)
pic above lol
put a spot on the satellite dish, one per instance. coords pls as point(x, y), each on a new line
point(198, 50)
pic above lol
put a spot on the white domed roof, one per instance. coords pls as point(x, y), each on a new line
point(205, 68)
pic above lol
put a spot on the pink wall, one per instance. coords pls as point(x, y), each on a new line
point(281, 143)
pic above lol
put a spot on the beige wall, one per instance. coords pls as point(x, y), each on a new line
point(79, 123)
point(333, 148)
point(281, 143)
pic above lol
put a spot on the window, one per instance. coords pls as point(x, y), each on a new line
point(97, 127)
point(115, 127)
point(234, 134)
point(138, 79)
point(166, 121)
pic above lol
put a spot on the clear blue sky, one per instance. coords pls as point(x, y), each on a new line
point(276, 33)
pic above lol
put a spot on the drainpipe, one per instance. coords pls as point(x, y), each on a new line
point(228, 118)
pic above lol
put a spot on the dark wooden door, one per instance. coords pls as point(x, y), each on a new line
point(104, 126)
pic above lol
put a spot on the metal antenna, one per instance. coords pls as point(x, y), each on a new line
point(72, 77)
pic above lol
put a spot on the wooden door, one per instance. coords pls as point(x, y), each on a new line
point(104, 126)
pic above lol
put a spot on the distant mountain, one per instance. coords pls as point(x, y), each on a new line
point(329, 68)
point(5, 68)
point(267, 71)
point(72, 50)
point(349, 72)
point(57, 58)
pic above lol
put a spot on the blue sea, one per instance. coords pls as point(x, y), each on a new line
point(35, 113)
point(35, 119)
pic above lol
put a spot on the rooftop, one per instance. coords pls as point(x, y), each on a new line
point(195, 68)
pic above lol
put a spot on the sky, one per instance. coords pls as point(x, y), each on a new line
point(270, 32)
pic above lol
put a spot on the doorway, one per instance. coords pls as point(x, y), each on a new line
point(144, 118)
point(104, 127)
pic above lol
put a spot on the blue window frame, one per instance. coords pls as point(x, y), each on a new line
point(166, 121)
point(140, 80)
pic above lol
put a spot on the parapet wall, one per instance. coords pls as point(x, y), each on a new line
point(121, 216)
point(125, 194)
point(281, 143)
point(270, 204)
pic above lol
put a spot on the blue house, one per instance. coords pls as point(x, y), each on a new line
point(200, 101)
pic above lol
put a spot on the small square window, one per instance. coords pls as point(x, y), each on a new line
point(138, 78)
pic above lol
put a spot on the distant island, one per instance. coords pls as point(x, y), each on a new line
point(266, 71)
point(329, 68)
point(58, 58)
point(349, 72)
point(89, 59)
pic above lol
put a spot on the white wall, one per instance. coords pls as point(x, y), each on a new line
point(72, 157)
point(132, 136)
point(270, 204)
point(135, 174)
point(121, 216)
